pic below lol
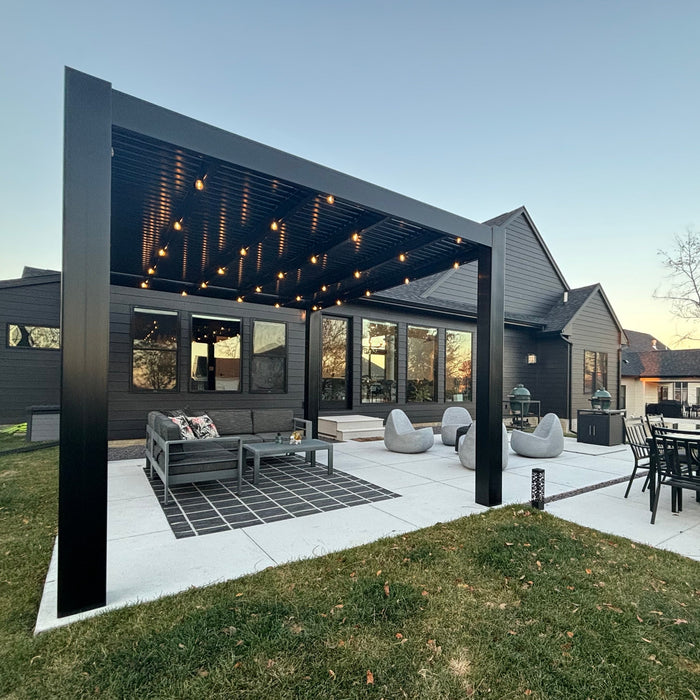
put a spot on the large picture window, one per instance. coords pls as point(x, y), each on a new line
point(421, 364)
point(268, 365)
point(216, 354)
point(20, 335)
point(595, 371)
point(458, 366)
point(334, 361)
point(379, 362)
point(154, 350)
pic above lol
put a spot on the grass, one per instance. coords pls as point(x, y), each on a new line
point(508, 604)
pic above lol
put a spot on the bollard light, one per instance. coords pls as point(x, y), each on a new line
point(537, 491)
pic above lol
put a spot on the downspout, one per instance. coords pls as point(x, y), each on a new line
point(570, 345)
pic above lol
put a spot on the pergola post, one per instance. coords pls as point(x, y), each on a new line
point(82, 507)
point(312, 385)
point(489, 371)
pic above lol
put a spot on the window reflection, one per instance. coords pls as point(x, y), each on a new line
point(379, 362)
point(458, 366)
point(37, 337)
point(154, 350)
point(268, 366)
point(334, 359)
point(216, 354)
point(421, 370)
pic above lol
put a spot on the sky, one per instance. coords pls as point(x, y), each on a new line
point(587, 113)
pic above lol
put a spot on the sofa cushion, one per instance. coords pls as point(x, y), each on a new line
point(232, 422)
point(203, 427)
point(200, 456)
point(165, 427)
point(186, 431)
point(273, 420)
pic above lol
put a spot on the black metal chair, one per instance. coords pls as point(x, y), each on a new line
point(655, 421)
point(636, 436)
point(676, 464)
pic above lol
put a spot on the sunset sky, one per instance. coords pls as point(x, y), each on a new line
point(586, 113)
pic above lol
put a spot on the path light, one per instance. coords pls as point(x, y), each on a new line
point(537, 492)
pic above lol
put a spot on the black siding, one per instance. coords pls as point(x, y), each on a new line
point(28, 377)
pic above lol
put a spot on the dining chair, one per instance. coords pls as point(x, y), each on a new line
point(678, 465)
point(636, 436)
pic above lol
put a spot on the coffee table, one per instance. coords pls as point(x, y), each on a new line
point(272, 449)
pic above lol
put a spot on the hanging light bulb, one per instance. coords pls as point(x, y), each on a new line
point(330, 199)
point(144, 284)
point(151, 270)
point(357, 274)
point(243, 252)
point(221, 271)
point(258, 289)
point(298, 298)
point(355, 237)
point(183, 293)
point(324, 288)
point(402, 257)
point(177, 226)
point(313, 259)
point(274, 226)
point(458, 239)
point(199, 184)
point(368, 293)
point(280, 275)
point(162, 252)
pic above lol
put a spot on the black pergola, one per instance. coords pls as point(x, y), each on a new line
point(154, 199)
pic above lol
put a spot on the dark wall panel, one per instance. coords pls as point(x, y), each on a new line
point(28, 377)
point(553, 376)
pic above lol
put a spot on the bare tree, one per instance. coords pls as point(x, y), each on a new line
point(682, 263)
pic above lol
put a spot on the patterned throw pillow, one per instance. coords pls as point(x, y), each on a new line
point(185, 430)
point(203, 427)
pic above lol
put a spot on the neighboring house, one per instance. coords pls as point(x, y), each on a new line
point(413, 346)
point(652, 373)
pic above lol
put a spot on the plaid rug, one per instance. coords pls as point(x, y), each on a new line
point(287, 488)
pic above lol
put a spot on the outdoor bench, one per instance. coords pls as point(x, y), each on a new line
point(179, 461)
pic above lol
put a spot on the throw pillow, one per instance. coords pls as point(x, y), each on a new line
point(203, 427)
point(185, 430)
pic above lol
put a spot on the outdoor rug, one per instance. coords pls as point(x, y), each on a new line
point(287, 488)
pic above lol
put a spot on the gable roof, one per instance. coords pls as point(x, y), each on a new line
point(563, 312)
point(641, 342)
point(661, 363)
point(32, 276)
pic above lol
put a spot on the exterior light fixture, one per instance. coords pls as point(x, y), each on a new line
point(357, 274)
point(531, 358)
point(199, 184)
point(258, 289)
point(402, 257)
point(177, 226)
point(313, 259)
point(221, 271)
point(274, 225)
point(330, 199)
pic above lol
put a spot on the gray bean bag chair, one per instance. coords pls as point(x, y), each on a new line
point(547, 440)
point(467, 447)
point(401, 436)
point(454, 417)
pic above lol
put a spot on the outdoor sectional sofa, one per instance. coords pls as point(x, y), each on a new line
point(179, 461)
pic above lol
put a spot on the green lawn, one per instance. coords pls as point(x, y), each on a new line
point(509, 604)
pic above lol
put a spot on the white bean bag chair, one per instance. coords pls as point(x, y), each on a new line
point(467, 447)
point(547, 441)
point(454, 417)
point(401, 436)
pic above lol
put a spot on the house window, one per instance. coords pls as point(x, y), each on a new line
point(379, 362)
point(421, 364)
point(663, 392)
point(680, 392)
point(154, 350)
point(334, 361)
point(458, 366)
point(623, 396)
point(268, 365)
point(35, 337)
point(595, 371)
point(215, 354)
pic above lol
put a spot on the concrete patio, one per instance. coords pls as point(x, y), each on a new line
point(146, 561)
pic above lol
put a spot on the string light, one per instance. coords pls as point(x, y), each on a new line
point(258, 289)
point(203, 285)
point(151, 270)
point(144, 284)
point(277, 305)
point(406, 280)
point(243, 252)
point(368, 293)
point(280, 275)
point(458, 239)
point(355, 237)
point(298, 298)
point(330, 199)
point(338, 302)
point(455, 265)
point(313, 259)
point(402, 257)
point(199, 184)
point(314, 308)
point(324, 288)
point(177, 226)
point(162, 252)
point(221, 271)
point(357, 274)
point(274, 226)
point(183, 293)
point(239, 300)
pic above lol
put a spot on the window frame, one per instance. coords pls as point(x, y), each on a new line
point(9, 346)
point(253, 355)
point(470, 392)
point(162, 312)
point(436, 357)
point(209, 317)
point(598, 355)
